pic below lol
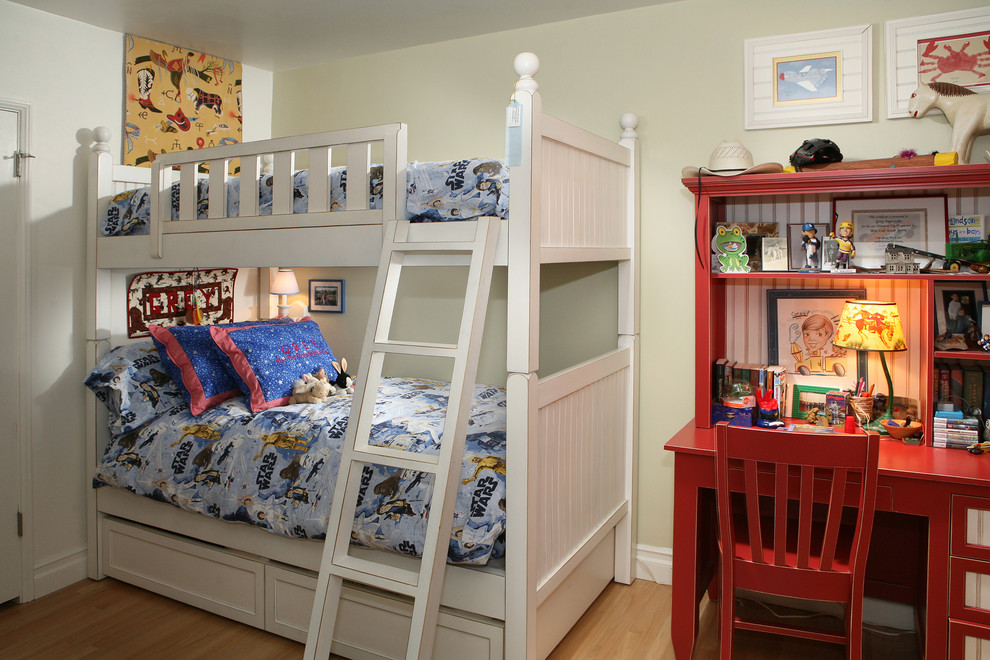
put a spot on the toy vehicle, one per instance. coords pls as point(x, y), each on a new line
point(948, 263)
point(978, 251)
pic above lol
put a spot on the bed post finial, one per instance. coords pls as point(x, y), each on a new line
point(526, 66)
point(629, 121)
point(101, 135)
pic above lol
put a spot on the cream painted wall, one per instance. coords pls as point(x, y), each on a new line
point(679, 67)
point(70, 74)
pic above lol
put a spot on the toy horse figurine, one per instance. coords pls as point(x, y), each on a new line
point(967, 112)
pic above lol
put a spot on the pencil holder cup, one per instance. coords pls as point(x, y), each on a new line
point(862, 409)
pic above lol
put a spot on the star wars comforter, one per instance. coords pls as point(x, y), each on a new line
point(276, 469)
point(436, 192)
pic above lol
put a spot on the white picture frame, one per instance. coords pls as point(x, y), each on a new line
point(914, 222)
point(837, 64)
point(774, 251)
point(902, 38)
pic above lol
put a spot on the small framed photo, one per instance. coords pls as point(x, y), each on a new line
point(806, 397)
point(913, 222)
point(958, 313)
point(754, 232)
point(809, 79)
point(984, 319)
point(326, 296)
point(774, 254)
point(806, 250)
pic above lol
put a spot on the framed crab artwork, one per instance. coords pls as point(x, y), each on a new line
point(953, 47)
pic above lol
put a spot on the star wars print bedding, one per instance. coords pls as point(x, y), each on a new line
point(276, 468)
point(437, 192)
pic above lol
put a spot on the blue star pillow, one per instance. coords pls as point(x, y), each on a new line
point(266, 359)
point(190, 357)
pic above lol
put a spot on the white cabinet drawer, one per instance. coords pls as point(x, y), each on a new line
point(373, 625)
point(186, 570)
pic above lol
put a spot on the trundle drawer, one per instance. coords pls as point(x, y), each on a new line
point(370, 624)
point(186, 570)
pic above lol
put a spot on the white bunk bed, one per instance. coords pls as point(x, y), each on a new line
point(571, 436)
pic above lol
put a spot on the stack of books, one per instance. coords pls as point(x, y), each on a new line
point(771, 377)
point(955, 430)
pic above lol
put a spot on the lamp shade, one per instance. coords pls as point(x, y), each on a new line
point(870, 325)
point(285, 283)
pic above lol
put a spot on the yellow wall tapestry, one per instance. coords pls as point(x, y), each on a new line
point(177, 99)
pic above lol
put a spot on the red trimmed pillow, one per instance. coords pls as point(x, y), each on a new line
point(266, 360)
point(190, 357)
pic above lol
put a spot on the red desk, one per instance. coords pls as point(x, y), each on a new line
point(914, 480)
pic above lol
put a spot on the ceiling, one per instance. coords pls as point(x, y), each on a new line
point(276, 35)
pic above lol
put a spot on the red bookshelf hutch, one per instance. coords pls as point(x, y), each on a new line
point(936, 501)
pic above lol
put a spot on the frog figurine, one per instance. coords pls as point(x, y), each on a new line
point(729, 245)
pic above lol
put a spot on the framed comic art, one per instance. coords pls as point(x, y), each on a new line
point(176, 99)
point(809, 79)
point(801, 326)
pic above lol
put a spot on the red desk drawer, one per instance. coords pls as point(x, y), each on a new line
point(968, 641)
point(969, 590)
point(971, 527)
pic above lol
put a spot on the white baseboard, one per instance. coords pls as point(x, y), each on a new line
point(59, 573)
point(656, 564)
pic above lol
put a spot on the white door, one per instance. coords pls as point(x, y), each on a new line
point(11, 187)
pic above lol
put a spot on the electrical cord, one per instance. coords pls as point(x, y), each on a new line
point(879, 630)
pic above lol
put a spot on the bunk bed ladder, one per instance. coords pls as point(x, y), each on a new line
point(383, 570)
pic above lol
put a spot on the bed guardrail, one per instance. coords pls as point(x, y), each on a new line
point(355, 147)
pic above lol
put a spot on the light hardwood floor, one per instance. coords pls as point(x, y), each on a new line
point(109, 620)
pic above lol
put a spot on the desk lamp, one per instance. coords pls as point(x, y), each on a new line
point(283, 286)
point(870, 325)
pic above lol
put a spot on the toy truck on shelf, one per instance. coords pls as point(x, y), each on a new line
point(974, 255)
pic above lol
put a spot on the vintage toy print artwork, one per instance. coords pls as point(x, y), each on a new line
point(807, 78)
point(177, 99)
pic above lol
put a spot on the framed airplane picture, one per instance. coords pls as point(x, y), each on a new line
point(809, 79)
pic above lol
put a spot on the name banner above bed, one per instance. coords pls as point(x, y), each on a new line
point(165, 298)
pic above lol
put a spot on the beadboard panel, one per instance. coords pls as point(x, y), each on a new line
point(573, 216)
point(586, 427)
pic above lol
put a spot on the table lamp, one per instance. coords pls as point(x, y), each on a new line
point(283, 286)
point(870, 325)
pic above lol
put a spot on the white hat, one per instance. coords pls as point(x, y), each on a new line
point(730, 159)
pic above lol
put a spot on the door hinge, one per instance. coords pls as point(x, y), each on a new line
point(20, 524)
point(19, 158)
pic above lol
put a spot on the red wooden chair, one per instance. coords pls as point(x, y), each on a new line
point(795, 515)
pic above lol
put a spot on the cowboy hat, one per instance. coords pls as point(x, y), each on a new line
point(731, 159)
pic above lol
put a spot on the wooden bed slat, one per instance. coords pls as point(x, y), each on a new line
point(319, 179)
point(358, 175)
point(248, 189)
point(218, 188)
point(282, 183)
point(187, 193)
